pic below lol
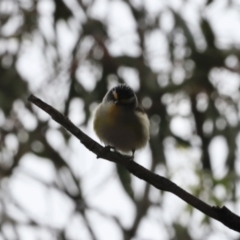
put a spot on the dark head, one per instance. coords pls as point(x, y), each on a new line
point(122, 95)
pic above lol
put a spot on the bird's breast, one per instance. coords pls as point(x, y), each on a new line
point(121, 128)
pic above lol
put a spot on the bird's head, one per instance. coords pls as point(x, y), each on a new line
point(122, 95)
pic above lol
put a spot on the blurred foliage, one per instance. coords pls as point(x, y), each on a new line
point(195, 62)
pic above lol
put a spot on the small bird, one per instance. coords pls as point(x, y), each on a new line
point(120, 121)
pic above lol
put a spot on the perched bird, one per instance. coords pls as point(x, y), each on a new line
point(120, 122)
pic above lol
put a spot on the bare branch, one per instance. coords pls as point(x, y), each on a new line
point(221, 214)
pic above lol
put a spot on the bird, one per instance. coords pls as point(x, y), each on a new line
point(120, 122)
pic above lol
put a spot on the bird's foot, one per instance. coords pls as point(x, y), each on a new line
point(106, 150)
point(132, 157)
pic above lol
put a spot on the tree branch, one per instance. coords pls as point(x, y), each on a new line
point(223, 214)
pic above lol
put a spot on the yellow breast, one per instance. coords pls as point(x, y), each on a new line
point(120, 128)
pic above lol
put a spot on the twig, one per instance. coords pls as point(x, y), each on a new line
point(221, 214)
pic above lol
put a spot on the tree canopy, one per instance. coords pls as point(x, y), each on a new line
point(185, 73)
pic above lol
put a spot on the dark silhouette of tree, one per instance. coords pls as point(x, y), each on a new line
point(69, 55)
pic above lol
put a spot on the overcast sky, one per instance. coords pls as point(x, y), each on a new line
point(101, 187)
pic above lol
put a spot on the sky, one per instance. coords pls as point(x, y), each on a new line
point(100, 185)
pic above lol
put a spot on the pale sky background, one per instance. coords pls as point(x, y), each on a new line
point(100, 185)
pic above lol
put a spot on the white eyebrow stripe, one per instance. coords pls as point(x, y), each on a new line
point(115, 95)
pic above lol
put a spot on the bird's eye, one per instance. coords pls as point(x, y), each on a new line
point(129, 100)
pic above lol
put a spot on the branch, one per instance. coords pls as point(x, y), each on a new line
point(223, 214)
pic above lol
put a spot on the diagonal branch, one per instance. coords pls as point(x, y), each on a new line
point(223, 214)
